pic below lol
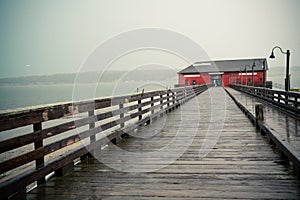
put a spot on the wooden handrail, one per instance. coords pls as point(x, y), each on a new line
point(90, 118)
point(288, 101)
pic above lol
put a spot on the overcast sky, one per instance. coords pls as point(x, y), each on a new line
point(48, 37)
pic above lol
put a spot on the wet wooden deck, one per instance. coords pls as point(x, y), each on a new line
point(285, 124)
point(225, 159)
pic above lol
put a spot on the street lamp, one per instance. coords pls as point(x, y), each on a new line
point(246, 74)
point(253, 73)
point(241, 83)
point(287, 74)
point(264, 74)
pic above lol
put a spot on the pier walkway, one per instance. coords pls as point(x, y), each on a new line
point(207, 148)
point(285, 124)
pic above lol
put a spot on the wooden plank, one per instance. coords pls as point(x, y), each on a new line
point(16, 186)
point(28, 157)
point(21, 160)
point(18, 118)
point(23, 140)
point(285, 148)
point(240, 166)
point(40, 161)
point(275, 97)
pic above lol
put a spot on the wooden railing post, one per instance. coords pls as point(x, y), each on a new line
point(273, 96)
point(140, 109)
point(161, 101)
point(173, 99)
point(91, 126)
point(259, 114)
point(91, 113)
point(63, 162)
point(286, 100)
point(177, 101)
point(168, 101)
point(152, 104)
point(121, 106)
point(40, 162)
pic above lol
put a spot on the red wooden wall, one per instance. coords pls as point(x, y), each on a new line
point(227, 78)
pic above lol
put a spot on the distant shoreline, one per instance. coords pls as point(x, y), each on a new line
point(90, 77)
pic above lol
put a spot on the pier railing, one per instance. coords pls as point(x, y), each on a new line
point(289, 101)
point(37, 142)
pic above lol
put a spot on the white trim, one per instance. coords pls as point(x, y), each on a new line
point(192, 75)
point(244, 74)
point(201, 64)
point(216, 73)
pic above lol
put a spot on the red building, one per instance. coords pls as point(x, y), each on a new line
point(224, 72)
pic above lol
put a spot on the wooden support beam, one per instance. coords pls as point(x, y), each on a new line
point(65, 169)
point(259, 114)
point(121, 106)
point(140, 109)
point(40, 162)
point(61, 165)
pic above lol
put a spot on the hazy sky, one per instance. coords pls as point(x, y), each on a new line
point(55, 36)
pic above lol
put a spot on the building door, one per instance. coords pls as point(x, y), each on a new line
point(216, 80)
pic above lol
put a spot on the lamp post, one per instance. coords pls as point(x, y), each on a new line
point(253, 73)
point(246, 74)
point(241, 83)
point(264, 74)
point(287, 74)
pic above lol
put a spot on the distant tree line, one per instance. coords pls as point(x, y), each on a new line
point(90, 77)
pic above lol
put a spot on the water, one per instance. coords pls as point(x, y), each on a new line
point(18, 96)
point(30, 95)
point(277, 75)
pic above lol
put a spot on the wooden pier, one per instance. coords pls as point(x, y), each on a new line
point(218, 152)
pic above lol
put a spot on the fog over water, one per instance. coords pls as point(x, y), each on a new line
point(50, 37)
point(37, 90)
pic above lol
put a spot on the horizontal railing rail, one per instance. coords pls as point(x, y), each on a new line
point(39, 141)
point(288, 101)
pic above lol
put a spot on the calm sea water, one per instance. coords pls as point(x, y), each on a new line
point(277, 75)
point(17, 96)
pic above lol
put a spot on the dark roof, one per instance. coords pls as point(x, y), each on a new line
point(226, 66)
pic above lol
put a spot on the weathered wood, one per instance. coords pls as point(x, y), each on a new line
point(121, 115)
point(240, 166)
point(92, 126)
point(140, 109)
point(34, 115)
point(17, 161)
point(20, 160)
point(65, 169)
point(40, 161)
point(18, 184)
point(152, 104)
point(259, 114)
point(37, 116)
point(23, 140)
point(287, 149)
point(287, 101)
